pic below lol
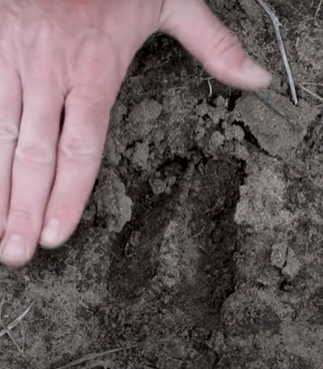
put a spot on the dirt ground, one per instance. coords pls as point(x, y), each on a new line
point(201, 244)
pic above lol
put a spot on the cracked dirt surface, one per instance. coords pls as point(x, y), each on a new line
point(202, 238)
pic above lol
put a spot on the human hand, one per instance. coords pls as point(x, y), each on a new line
point(74, 54)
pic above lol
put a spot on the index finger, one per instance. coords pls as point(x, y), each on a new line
point(193, 24)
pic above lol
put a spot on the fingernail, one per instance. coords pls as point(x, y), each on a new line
point(14, 250)
point(253, 73)
point(51, 234)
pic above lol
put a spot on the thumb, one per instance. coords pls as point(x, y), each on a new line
point(193, 24)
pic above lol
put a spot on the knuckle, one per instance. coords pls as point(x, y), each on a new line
point(42, 73)
point(80, 150)
point(35, 154)
point(92, 62)
point(21, 212)
point(91, 66)
point(8, 131)
point(91, 73)
point(225, 40)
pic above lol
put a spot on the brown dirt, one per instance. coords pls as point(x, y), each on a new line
point(201, 243)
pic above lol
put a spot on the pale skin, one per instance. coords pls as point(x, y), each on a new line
point(74, 54)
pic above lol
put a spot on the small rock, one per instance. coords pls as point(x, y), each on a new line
point(199, 132)
point(278, 255)
point(292, 266)
point(141, 155)
point(238, 133)
point(216, 140)
point(202, 109)
point(220, 101)
point(233, 132)
point(241, 152)
point(158, 186)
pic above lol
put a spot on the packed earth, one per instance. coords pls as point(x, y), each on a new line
point(201, 244)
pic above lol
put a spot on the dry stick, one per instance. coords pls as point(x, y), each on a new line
point(277, 24)
point(318, 9)
point(8, 331)
point(312, 93)
point(313, 84)
point(210, 87)
point(271, 104)
point(108, 352)
point(97, 355)
point(23, 334)
point(16, 321)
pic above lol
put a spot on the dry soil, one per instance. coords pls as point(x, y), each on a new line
point(201, 244)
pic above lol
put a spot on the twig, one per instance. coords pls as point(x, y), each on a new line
point(312, 93)
point(312, 84)
point(318, 9)
point(267, 100)
point(16, 321)
point(108, 352)
point(277, 24)
point(210, 87)
point(98, 355)
point(8, 331)
point(23, 335)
